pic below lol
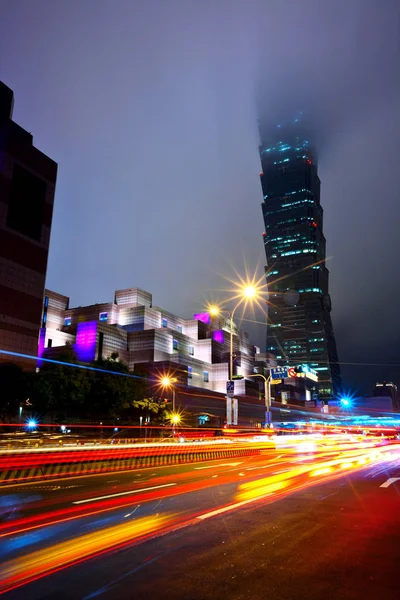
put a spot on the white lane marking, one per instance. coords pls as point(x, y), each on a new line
point(225, 509)
point(390, 481)
point(258, 468)
point(235, 464)
point(154, 487)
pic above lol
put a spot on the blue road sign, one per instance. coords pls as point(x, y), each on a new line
point(279, 373)
point(230, 388)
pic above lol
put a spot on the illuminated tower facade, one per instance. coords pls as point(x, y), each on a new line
point(300, 326)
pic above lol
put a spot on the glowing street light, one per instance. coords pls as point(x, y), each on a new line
point(175, 419)
point(168, 382)
point(250, 291)
point(246, 292)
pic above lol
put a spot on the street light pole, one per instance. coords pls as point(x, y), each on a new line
point(216, 311)
point(247, 293)
point(267, 396)
point(168, 382)
point(231, 315)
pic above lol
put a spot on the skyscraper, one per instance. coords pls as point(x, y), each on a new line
point(299, 326)
point(27, 185)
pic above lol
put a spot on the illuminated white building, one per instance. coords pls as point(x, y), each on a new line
point(141, 333)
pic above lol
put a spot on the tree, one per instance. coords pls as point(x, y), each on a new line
point(115, 390)
point(15, 385)
point(156, 406)
point(61, 389)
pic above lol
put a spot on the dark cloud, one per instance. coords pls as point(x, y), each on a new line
point(151, 109)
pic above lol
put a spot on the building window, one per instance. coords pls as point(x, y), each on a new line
point(175, 344)
point(164, 323)
point(67, 321)
point(49, 343)
point(46, 300)
point(190, 372)
point(179, 328)
point(191, 350)
point(103, 316)
point(205, 376)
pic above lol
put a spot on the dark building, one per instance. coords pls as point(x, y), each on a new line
point(384, 389)
point(27, 185)
point(300, 327)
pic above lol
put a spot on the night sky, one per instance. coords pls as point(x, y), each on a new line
point(150, 108)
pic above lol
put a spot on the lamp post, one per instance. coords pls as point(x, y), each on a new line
point(247, 293)
point(168, 382)
point(267, 396)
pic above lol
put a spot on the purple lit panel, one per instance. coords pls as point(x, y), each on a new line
point(86, 338)
point(218, 336)
point(204, 317)
point(42, 341)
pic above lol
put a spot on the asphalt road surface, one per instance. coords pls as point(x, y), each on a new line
point(285, 525)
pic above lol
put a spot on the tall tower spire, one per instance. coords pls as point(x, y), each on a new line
point(300, 326)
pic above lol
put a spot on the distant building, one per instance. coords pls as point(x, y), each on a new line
point(195, 350)
point(374, 406)
point(300, 328)
point(385, 389)
point(27, 186)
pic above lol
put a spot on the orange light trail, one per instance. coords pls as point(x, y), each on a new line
point(327, 458)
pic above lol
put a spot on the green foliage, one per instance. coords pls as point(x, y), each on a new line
point(60, 392)
point(15, 386)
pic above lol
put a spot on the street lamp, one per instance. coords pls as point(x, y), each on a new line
point(249, 292)
point(246, 293)
point(167, 382)
point(267, 396)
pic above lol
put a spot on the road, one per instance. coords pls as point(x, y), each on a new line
point(289, 524)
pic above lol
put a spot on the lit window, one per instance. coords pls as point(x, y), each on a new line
point(191, 350)
point(175, 344)
point(190, 372)
point(103, 316)
point(179, 328)
point(205, 376)
point(46, 300)
point(67, 321)
point(164, 323)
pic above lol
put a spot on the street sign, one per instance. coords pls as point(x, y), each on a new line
point(279, 373)
point(292, 372)
point(230, 388)
point(306, 371)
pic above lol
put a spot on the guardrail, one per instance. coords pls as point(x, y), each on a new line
point(44, 464)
